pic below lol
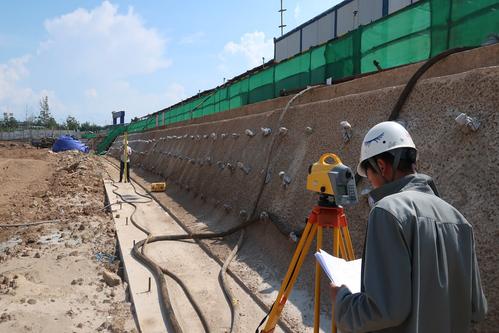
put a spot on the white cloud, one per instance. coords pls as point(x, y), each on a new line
point(97, 52)
point(103, 42)
point(175, 93)
point(252, 46)
point(14, 97)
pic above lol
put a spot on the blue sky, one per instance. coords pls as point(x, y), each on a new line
point(93, 57)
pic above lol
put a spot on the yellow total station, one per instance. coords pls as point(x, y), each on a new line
point(330, 177)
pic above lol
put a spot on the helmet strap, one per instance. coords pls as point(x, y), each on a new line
point(374, 165)
point(396, 160)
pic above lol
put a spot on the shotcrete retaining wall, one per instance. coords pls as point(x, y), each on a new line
point(221, 166)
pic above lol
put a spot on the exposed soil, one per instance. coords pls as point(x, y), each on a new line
point(51, 274)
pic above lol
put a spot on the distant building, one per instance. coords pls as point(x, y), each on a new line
point(333, 23)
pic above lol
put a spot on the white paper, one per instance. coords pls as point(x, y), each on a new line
point(341, 271)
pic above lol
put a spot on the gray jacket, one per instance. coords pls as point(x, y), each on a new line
point(419, 269)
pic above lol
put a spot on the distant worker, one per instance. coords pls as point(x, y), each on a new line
point(122, 163)
point(419, 267)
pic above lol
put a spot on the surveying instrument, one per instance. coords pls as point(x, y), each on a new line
point(335, 184)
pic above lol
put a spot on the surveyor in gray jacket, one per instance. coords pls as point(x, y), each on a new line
point(419, 269)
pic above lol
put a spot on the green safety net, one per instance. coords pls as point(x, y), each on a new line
point(415, 33)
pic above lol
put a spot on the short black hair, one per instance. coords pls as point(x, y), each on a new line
point(406, 163)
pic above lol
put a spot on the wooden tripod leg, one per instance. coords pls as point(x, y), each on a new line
point(291, 276)
point(317, 300)
point(336, 241)
point(336, 248)
point(348, 241)
point(343, 250)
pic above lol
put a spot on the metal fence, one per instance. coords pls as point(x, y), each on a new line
point(30, 134)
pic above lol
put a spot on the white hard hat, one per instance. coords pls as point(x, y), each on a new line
point(383, 137)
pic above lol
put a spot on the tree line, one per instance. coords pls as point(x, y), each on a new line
point(46, 120)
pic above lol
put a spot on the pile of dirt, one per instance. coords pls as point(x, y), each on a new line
point(51, 275)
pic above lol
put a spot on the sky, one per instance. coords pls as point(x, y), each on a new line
point(94, 57)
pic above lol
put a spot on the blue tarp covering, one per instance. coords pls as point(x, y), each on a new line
point(66, 142)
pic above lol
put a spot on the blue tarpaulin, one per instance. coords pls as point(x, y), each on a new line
point(66, 142)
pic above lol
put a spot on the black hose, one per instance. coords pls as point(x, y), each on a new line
point(28, 224)
point(415, 77)
point(196, 236)
point(394, 115)
point(156, 269)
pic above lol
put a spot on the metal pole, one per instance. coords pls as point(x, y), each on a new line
point(282, 10)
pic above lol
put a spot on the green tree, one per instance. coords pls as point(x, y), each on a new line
point(72, 123)
point(86, 126)
point(44, 117)
point(9, 124)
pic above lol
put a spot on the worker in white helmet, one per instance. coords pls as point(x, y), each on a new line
point(419, 267)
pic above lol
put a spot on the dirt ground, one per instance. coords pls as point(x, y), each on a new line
point(51, 275)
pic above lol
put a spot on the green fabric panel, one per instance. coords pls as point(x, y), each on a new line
point(293, 73)
point(339, 57)
point(261, 78)
point(224, 105)
point(261, 94)
point(473, 22)
point(238, 93)
point(293, 66)
point(401, 38)
point(112, 134)
point(221, 96)
point(318, 65)
point(464, 8)
point(405, 51)
point(440, 11)
point(261, 86)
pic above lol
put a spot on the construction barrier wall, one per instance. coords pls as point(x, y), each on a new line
point(216, 169)
point(412, 34)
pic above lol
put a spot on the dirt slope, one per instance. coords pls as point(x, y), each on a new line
point(51, 274)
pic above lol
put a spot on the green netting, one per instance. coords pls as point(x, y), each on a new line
point(415, 33)
point(462, 23)
point(261, 85)
point(109, 139)
point(89, 135)
point(399, 39)
point(318, 65)
point(472, 22)
point(293, 73)
point(339, 56)
point(239, 93)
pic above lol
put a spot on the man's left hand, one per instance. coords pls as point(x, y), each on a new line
point(334, 291)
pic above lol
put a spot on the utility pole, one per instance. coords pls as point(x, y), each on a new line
point(282, 10)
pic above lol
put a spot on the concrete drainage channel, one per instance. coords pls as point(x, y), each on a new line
point(193, 286)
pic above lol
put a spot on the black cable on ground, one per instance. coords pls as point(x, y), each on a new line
point(227, 291)
point(196, 236)
point(156, 270)
point(28, 224)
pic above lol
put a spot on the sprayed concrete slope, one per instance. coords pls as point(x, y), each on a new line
point(194, 158)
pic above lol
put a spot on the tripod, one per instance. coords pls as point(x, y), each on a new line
point(326, 214)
